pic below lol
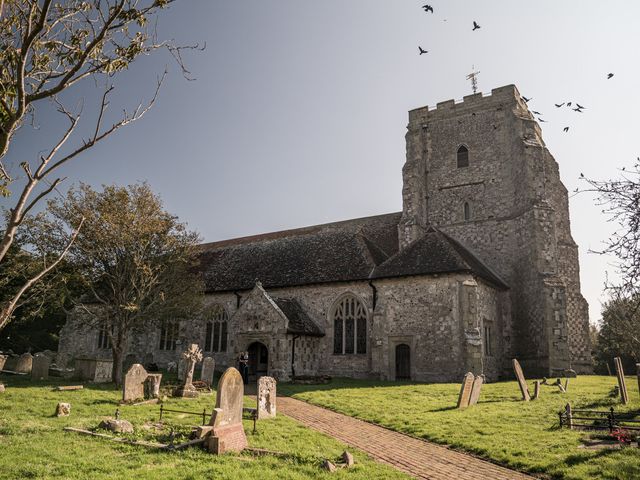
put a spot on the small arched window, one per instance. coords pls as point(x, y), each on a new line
point(215, 337)
point(349, 326)
point(467, 211)
point(463, 156)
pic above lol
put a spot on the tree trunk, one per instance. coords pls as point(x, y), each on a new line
point(116, 373)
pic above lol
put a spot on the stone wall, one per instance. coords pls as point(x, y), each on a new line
point(519, 223)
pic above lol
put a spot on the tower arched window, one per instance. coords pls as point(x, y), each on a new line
point(215, 336)
point(467, 211)
point(463, 156)
point(349, 326)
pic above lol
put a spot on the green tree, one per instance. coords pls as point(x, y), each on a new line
point(47, 48)
point(619, 334)
point(135, 260)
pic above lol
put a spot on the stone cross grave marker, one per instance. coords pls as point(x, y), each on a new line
point(208, 367)
point(24, 364)
point(228, 433)
point(191, 356)
point(524, 389)
point(475, 390)
point(624, 396)
point(465, 390)
point(133, 387)
point(40, 367)
point(266, 397)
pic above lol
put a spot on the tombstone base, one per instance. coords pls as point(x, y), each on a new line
point(230, 438)
point(186, 391)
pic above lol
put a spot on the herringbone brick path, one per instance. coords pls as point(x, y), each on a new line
point(418, 458)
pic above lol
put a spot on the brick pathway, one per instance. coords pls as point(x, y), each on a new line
point(418, 458)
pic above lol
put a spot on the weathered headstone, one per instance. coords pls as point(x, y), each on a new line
point(133, 387)
point(465, 391)
point(3, 359)
point(98, 370)
point(208, 367)
point(63, 409)
point(191, 356)
point(347, 459)
point(621, 382)
point(328, 466)
point(182, 366)
point(152, 385)
point(228, 432)
point(536, 389)
point(40, 367)
point(524, 389)
point(638, 374)
point(24, 363)
point(266, 397)
point(475, 390)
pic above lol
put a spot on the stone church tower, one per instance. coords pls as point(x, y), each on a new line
point(479, 171)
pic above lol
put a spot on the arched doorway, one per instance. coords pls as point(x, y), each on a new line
point(258, 360)
point(403, 362)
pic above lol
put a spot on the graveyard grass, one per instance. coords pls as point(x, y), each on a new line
point(521, 435)
point(34, 445)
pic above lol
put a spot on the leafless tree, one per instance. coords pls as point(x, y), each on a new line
point(47, 48)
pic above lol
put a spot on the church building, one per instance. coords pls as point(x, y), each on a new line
point(478, 268)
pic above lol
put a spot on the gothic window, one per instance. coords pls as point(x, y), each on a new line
point(168, 335)
point(463, 156)
point(103, 337)
point(467, 211)
point(349, 326)
point(215, 337)
point(487, 340)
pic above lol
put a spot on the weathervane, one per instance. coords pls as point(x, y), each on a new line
point(473, 76)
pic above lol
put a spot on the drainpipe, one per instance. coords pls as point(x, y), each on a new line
point(238, 298)
point(374, 292)
point(293, 357)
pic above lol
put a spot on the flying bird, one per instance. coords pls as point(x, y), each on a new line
point(422, 50)
point(568, 104)
point(609, 76)
point(559, 104)
point(475, 26)
point(536, 113)
point(579, 106)
point(565, 129)
point(428, 8)
point(526, 100)
point(541, 120)
point(577, 110)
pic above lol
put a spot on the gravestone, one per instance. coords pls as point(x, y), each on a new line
point(191, 356)
point(63, 409)
point(228, 433)
point(152, 385)
point(182, 365)
point(3, 359)
point(465, 391)
point(1, 388)
point(638, 374)
point(133, 387)
point(24, 363)
point(208, 367)
point(536, 389)
point(475, 390)
point(621, 382)
point(266, 397)
point(98, 370)
point(128, 362)
point(40, 367)
point(524, 389)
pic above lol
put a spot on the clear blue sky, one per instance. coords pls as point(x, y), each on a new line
point(299, 110)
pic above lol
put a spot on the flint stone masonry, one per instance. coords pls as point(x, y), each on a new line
point(266, 397)
point(452, 294)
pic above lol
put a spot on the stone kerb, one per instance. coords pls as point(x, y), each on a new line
point(228, 433)
point(133, 387)
point(266, 397)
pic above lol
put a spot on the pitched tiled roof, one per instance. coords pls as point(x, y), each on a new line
point(299, 322)
point(360, 249)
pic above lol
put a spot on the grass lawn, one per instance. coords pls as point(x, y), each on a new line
point(521, 435)
point(33, 444)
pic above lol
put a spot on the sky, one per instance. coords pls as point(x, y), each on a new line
point(298, 110)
